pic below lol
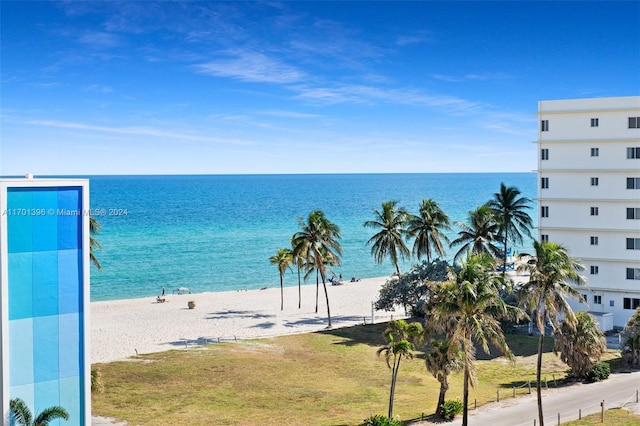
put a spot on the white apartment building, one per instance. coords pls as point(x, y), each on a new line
point(589, 195)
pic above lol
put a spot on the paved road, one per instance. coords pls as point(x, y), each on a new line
point(617, 391)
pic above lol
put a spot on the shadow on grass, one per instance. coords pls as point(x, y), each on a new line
point(372, 335)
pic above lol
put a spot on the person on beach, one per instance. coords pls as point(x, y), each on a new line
point(162, 291)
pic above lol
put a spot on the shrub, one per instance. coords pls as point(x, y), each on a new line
point(97, 384)
point(379, 420)
point(599, 371)
point(451, 408)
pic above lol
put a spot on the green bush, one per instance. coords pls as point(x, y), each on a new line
point(450, 409)
point(379, 420)
point(599, 371)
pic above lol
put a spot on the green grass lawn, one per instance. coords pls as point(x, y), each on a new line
point(327, 378)
point(614, 417)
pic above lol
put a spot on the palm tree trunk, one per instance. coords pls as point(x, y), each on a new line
point(397, 268)
point(326, 296)
point(539, 372)
point(444, 387)
point(281, 294)
point(317, 290)
point(465, 391)
point(504, 256)
point(394, 379)
point(299, 289)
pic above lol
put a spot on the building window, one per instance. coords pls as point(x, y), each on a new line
point(594, 211)
point(595, 269)
point(633, 273)
point(594, 122)
point(595, 181)
point(594, 240)
point(544, 125)
point(633, 243)
point(544, 211)
point(544, 238)
point(633, 152)
point(584, 298)
point(633, 183)
point(544, 154)
point(595, 152)
point(597, 299)
point(629, 303)
point(544, 183)
point(633, 212)
point(634, 122)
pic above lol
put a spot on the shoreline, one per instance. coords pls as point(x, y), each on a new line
point(127, 327)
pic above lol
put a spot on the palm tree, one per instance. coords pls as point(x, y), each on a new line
point(480, 235)
point(472, 300)
point(94, 229)
point(630, 348)
point(389, 241)
point(401, 337)
point(299, 262)
point(428, 228)
point(443, 359)
point(551, 273)
point(318, 242)
point(21, 415)
point(509, 208)
point(282, 259)
point(578, 344)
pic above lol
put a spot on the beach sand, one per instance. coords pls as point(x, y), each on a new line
point(122, 328)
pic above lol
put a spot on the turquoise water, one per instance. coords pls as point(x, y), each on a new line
point(216, 233)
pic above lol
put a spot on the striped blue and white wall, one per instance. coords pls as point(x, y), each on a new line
point(44, 258)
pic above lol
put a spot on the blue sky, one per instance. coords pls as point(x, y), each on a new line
point(298, 87)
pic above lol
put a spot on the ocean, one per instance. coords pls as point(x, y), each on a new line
point(217, 232)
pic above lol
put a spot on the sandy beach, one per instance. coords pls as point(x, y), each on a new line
point(122, 328)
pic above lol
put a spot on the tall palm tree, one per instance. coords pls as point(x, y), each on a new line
point(282, 259)
point(480, 235)
point(428, 227)
point(94, 229)
point(443, 359)
point(389, 241)
point(580, 343)
point(318, 242)
point(299, 262)
point(401, 337)
point(514, 221)
point(473, 301)
point(551, 274)
point(21, 415)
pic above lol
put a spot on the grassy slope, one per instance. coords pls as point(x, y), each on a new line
point(329, 378)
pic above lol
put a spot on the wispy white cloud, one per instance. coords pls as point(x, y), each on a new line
point(290, 114)
point(472, 77)
point(417, 38)
point(371, 94)
point(252, 66)
point(99, 40)
point(133, 131)
point(97, 88)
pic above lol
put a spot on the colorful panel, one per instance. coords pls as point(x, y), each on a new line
point(69, 352)
point(21, 347)
point(46, 348)
point(20, 236)
point(20, 285)
point(69, 292)
point(45, 283)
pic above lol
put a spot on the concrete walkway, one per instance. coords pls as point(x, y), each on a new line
point(617, 391)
